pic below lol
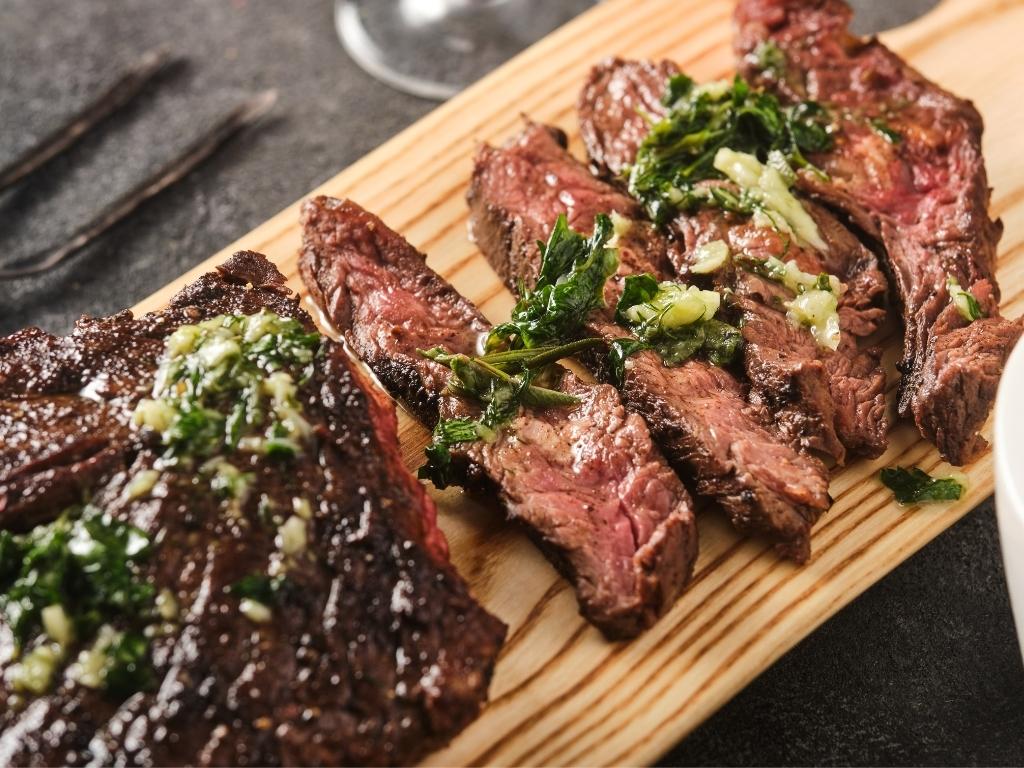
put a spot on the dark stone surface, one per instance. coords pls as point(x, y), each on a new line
point(922, 669)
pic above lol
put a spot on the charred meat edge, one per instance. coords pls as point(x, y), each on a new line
point(377, 656)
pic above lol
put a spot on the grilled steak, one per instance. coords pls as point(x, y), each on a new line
point(571, 185)
point(364, 648)
point(835, 406)
point(907, 168)
point(829, 401)
point(585, 481)
point(696, 411)
point(612, 108)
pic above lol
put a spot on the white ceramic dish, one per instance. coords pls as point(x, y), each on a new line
point(1009, 461)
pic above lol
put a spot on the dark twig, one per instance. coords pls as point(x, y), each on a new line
point(243, 115)
point(127, 87)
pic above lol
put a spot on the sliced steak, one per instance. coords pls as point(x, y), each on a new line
point(825, 400)
point(907, 168)
point(570, 184)
point(615, 107)
point(612, 108)
point(808, 391)
point(585, 481)
point(696, 411)
point(374, 653)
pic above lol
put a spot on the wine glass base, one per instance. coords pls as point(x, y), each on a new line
point(435, 48)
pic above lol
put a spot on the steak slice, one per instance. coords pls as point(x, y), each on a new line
point(585, 481)
point(825, 400)
point(615, 106)
point(570, 186)
point(836, 407)
point(696, 411)
point(907, 168)
point(374, 652)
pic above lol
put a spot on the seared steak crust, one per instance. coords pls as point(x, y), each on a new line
point(924, 196)
point(613, 108)
point(571, 184)
point(696, 411)
point(586, 481)
point(376, 654)
point(836, 407)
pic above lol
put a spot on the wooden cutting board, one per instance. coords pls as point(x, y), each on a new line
point(561, 694)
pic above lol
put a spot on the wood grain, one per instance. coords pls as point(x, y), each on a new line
point(561, 694)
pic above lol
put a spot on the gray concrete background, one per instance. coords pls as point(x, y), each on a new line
point(921, 669)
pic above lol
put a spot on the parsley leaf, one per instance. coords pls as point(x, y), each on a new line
point(619, 352)
point(85, 561)
point(259, 587)
point(570, 284)
point(438, 468)
point(913, 486)
point(769, 58)
point(86, 565)
point(128, 667)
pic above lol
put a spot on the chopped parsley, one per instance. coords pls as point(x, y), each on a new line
point(675, 320)
point(126, 668)
point(229, 383)
point(680, 149)
point(911, 485)
point(258, 586)
point(769, 58)
point(63, 585)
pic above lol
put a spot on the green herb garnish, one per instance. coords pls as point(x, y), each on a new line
point(85, 561)
point(544, 328)
point(449, 432)
point(64, 583)
point(502, 381)
point(680, 149)
point(674, 320)
point(570, 285)
point(911, 485)
point(619, 351)
point(769, 58)
point(259, 587)
point(128, 669)
point(229, 383)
